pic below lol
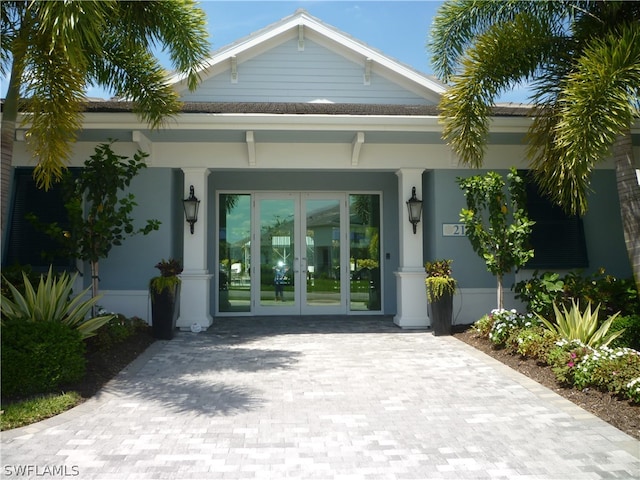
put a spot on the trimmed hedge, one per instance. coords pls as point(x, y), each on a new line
point(37, 357)
point(631, 336)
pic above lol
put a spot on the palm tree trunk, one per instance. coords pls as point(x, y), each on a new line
point(8, 135)
point(629, 196)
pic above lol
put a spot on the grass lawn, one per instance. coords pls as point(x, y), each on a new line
point(36, 409)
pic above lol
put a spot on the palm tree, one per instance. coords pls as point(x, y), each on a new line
point(52, 51)
point(582, 59)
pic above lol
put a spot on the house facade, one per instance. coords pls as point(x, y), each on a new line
point(303, 146)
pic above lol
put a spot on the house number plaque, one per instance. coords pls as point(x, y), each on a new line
point(453, 230)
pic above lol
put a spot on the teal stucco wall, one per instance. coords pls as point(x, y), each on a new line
point(443, 200)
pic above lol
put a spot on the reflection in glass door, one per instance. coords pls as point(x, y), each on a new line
point(365, 289)
point(278, 253)
point(302, 259)
point(323, 260)
point(233, 277)
point(299, 253)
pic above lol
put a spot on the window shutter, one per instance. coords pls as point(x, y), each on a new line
point(557, 238)
point(26, 245)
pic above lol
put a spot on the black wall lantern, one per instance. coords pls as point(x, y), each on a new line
point(191, 205)
point(415, 209)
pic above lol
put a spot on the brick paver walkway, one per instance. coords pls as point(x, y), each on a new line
point(327, 399)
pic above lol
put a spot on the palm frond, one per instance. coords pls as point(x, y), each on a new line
point(458, 24)
point(502, 56)
point(132, 71)
point(181, 28)
point(597, 103)
point(56, 88)
point(57, 48)
point(563, 183)
point(594, 104)
point(72, 27)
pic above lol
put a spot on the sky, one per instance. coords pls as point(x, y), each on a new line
point(399, 29)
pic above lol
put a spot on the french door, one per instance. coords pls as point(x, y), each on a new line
point(301, 241)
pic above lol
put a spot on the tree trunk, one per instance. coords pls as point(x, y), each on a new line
point(95, 278)
point(8, 133)
point(629, 196)
point(500, 294)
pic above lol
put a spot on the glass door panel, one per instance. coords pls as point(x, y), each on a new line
point(234, 260)
point(365, 290)
point(323, 260)
point(277, 282)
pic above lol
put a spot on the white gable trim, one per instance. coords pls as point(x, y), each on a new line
point(301, 25)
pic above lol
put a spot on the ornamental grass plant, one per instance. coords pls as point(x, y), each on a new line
point(585, 327)
point(52, 301)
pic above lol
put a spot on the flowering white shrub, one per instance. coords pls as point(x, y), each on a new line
point(612, 369)
point(633, 390)
point(506, 321)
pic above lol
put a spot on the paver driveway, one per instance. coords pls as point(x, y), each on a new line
point(318, 398)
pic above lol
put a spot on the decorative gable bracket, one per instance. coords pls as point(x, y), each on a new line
point(234, 69)
point(251, 148)
point(144, 143)
point(300, 38)
point(356, 147)
point(367, 71)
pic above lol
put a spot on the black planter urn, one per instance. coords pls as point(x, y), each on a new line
point(442, 314)
point(165, 307)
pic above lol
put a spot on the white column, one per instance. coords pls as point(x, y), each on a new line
point(410, 277)
point(195, 291)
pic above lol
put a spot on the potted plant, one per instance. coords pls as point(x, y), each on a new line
point(440, 289)
point(165, 298)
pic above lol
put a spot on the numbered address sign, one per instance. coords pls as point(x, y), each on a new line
point(453, 230)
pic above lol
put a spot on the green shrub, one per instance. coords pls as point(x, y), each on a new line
point(52, 302)
point(37, 357)
point(116, 331)
point(573, 325)
point(565, 357)
point(535, 342)
point(14, 275)
point(630, 336)
point(608, 369)
point(614, 295)
point(483, 326)
point(540, 292)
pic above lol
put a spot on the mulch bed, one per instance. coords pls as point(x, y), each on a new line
point(104, 364)
point(619, 412)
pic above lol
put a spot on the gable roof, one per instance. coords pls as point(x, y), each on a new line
point(302, 25)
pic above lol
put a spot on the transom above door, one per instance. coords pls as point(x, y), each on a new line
point(294, 253)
